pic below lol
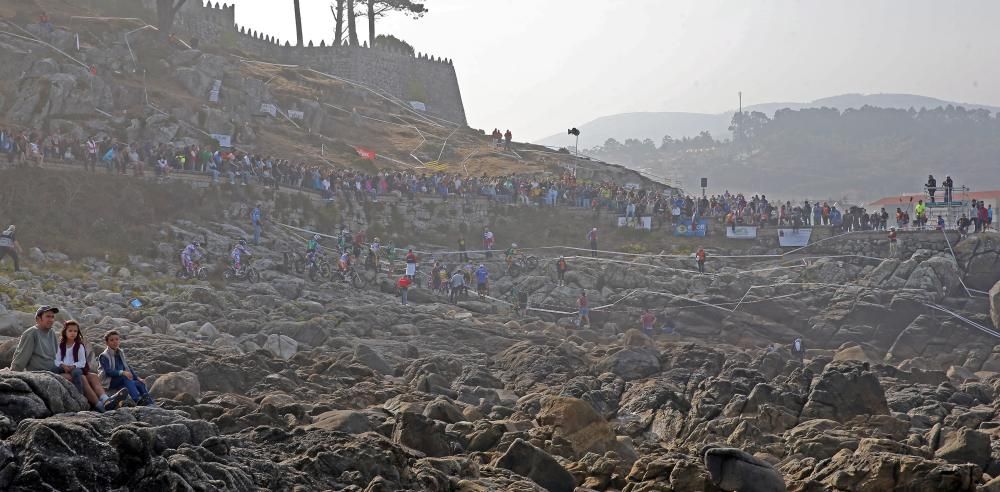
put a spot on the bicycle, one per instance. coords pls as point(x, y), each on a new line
point(319, 267)
point(354, 277)
point(521, 264)
point(248, 273)
point(197, 271)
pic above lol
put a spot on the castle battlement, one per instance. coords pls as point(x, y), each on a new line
point(410, 77)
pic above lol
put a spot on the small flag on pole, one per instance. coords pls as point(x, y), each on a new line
point(78, 42)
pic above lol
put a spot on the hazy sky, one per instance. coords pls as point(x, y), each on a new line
point(541, 66)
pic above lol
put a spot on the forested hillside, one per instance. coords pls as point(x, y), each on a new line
point(827, 153)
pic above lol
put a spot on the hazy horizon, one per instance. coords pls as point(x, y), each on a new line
point(540, 67)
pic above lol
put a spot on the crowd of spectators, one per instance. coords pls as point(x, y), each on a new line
point(665, 205)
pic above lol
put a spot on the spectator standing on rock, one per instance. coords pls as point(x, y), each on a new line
point(404, 286)
point(411, 264)
point(561, 268)
point(648, 319)
point(10, 247)
point(488, 241)
point(36, 348)
point(116, 373)
point(463, 256)
point(798, 348)
point(507, 136)
point(931, 187)
point(592, 237)
point(893, 246)
point(457, 285)
point(255, 220)
point(948, 185)
point(584, 306)
point(700, 256)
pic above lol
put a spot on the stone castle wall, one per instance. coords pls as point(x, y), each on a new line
point(423, 78)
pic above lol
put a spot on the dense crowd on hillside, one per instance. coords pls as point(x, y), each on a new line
point(665, 205)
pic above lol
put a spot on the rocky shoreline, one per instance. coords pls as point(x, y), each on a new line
point(292, 385)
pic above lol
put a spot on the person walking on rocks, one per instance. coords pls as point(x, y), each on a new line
point(700, 256)
point(592, 237)
point(116, 373)
point(10, 247)
point(561, 268)
point(36, 349)
point(404, 287)
point(893, 243)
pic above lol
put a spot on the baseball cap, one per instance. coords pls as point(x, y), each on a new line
point(46, 309)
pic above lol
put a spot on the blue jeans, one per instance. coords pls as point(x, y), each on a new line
point(402, 293)
point(135, 388)
point(77, 375)
point(256, 233)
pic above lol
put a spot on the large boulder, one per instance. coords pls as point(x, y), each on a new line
point(527, 460)
point(172, 384)
point(734, 470)
point(631, 363)
point(347, 421)
point(421, 433)
point(845, 390)
point(995, 305)
point(37, 395)
point(577, 422)
point(964, 445)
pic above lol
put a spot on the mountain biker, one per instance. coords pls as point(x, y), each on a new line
point(509, 255)
point(561, 268)
point(482, 281)
point(344, 262)
point(312, 247)
point(191, 254)
point(237, 254)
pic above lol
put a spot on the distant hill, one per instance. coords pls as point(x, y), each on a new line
point(654, 125)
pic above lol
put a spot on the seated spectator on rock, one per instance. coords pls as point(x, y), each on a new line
point(116, 373)
point(73, 363)
point(37, 347)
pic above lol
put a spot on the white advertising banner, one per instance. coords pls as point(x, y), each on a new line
point(636, 222)
point(296, 115)
point(269, 109)
point(417, 105)
point(790, 237)
point(741, 232)
point(224, 140)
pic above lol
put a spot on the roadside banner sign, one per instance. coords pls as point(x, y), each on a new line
point(686, 230)
point(741, 232)
point(793, 238)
